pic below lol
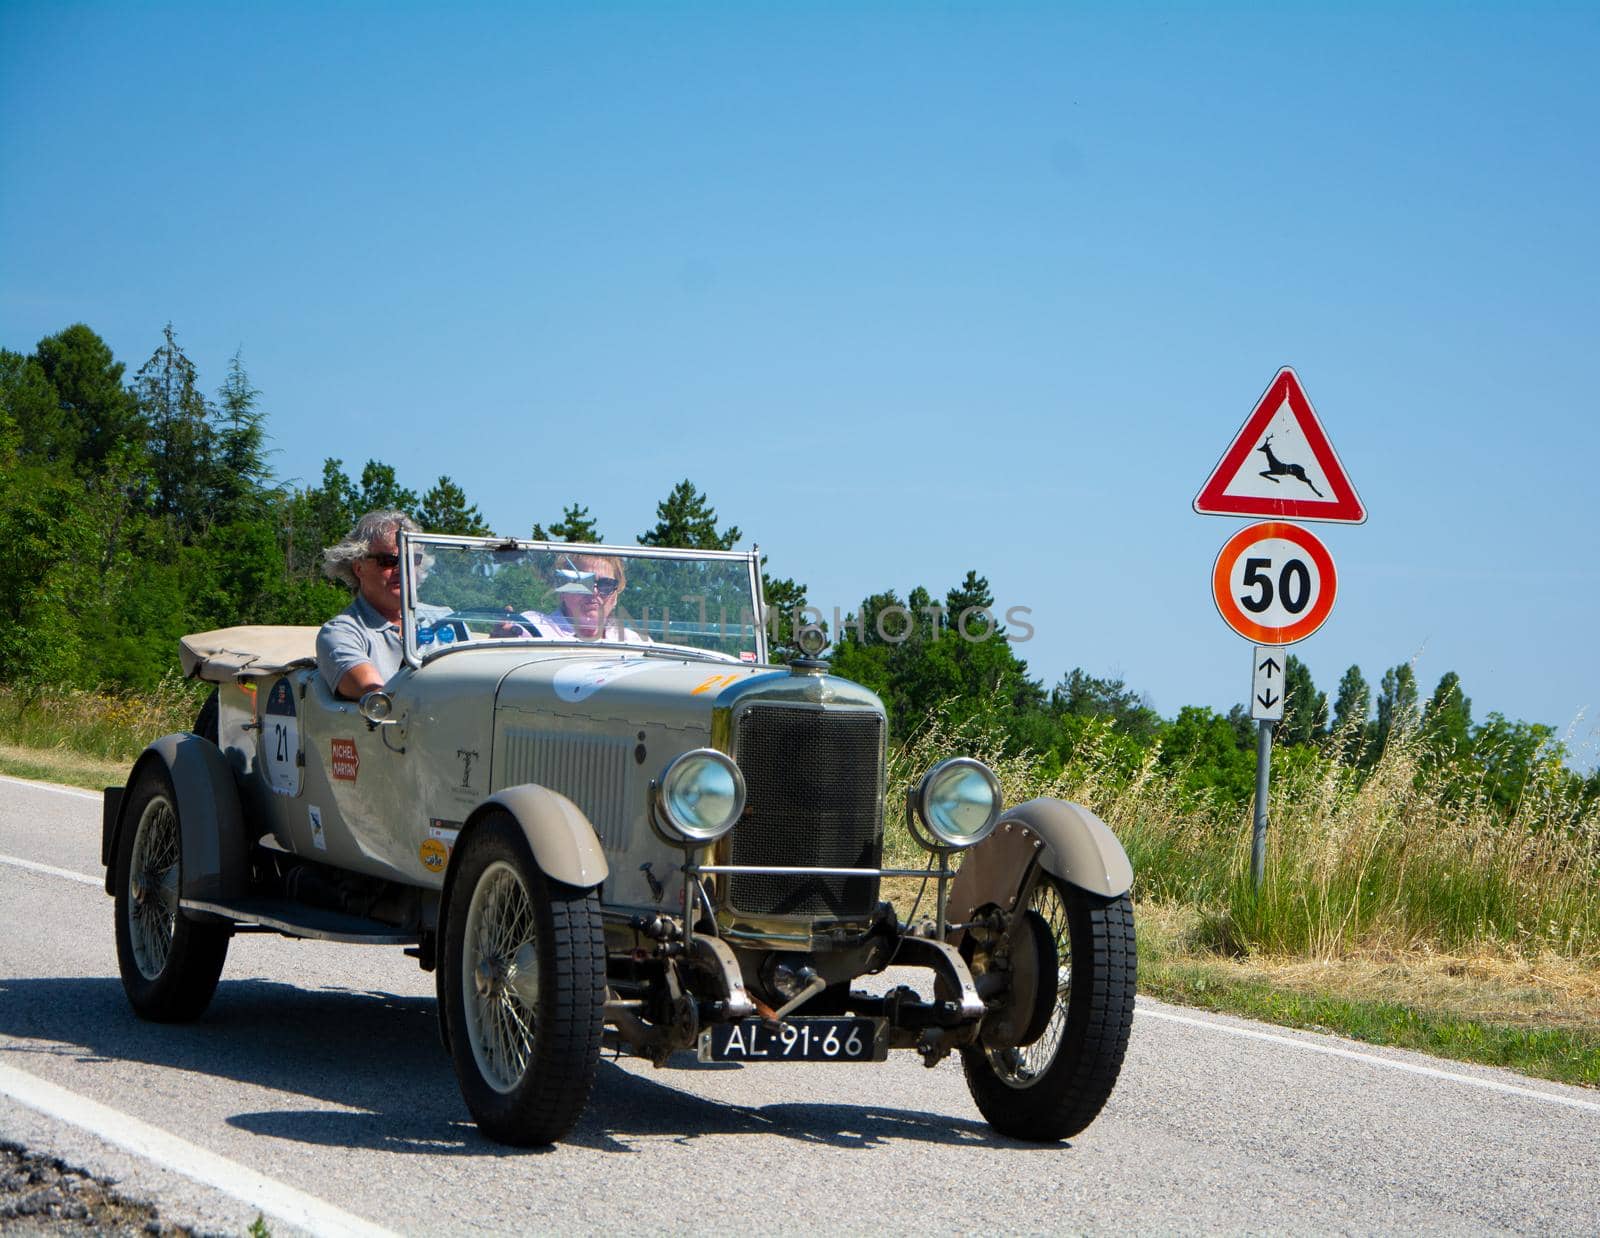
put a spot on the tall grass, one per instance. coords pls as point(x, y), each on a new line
point(114, 726)
point(1395, 858)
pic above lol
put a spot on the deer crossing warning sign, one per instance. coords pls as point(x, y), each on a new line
point(1281, 464)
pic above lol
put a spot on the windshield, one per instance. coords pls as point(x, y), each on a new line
point(464, 590)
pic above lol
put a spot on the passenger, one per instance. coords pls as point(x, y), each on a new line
point(359, 648)
point(588, 586)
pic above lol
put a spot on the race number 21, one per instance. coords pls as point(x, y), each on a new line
point(1274, 583)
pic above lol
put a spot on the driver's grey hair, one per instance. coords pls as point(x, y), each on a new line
point(338, 558)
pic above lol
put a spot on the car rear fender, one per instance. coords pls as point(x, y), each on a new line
point(216, 860)
point(1067, 840)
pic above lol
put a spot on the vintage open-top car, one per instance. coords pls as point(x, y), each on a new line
point(633, 833)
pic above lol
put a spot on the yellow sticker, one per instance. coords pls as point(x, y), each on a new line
point(713, 682)
point(433, 854)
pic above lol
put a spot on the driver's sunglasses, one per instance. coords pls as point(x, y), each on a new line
point(605, 586)
point(387, 561)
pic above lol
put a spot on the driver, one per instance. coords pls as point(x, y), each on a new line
point(359, 648)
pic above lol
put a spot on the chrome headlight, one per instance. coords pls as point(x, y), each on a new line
point(698, 798)
point(957, 802)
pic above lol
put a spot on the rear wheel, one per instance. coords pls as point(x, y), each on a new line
point(169, 965)
point(523, 981)
point(1053, 1088)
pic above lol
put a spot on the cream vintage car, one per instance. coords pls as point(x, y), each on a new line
point(644, 837)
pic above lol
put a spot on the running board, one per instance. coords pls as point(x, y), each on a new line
point(298, 920)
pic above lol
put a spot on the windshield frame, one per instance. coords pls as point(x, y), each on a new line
point(415, 658)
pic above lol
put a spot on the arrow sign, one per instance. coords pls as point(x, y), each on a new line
point(1281, 464)
point(1266, 705)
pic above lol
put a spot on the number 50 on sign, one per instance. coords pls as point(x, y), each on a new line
point(1274, 583)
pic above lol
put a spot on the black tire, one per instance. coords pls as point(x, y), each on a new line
point(525, 1055)
point(205, 723)
point(170, 965)
point(1054, 1087)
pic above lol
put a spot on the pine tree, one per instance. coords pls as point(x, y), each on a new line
point(575, 525)
point(1447, 724)
point(1350, 709)
point(1397, 706)
point(242, 480)
point(381, 492)
point(1305, 710)
point(445, 509)
point(686, 519)
point(182, 443)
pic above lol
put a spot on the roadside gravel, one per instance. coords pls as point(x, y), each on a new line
point(42, 1195)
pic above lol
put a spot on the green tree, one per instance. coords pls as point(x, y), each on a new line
point(575, 525)
point(1351, 706)
point(445, 509)
point(42, 622)
point(1305, 710)
point(1200, 747)
point(1397, 706)
point(96, 417)
point(318, 516)
point(30, 410)
point(685, 518)
point(1447, 723)
point(242, 480)
point(381, 492)
point(181, 439)
point(1510, 754)
point(1082, 695)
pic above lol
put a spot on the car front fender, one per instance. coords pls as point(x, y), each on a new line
point(216, 861)
point(1069, 842)
point(564, 844)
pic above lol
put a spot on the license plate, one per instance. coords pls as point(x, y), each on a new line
point(796, 1040)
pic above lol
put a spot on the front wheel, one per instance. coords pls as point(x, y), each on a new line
point(170, 965)
point(523, 982)
point(1052, 1088)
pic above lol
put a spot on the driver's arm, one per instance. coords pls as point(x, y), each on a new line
point(358, 681)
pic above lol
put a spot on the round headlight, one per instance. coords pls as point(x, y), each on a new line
point(958, 801)
point(700, 796)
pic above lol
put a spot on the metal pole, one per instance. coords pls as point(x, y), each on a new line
point(1258, 841)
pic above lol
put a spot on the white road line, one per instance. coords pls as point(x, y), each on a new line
point(50, 786)
point(52, 871)
point(269, 1196)
point(1432, 1072)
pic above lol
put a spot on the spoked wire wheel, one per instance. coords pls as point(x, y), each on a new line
point(522, 979)
point(1021, 1066)
point(500, 976)
point(170, 964)
point(1054, 1086)
point(153, 887)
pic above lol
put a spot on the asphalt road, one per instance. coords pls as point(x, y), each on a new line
point(315, 1091)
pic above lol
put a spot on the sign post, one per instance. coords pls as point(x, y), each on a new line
point(1274, 582)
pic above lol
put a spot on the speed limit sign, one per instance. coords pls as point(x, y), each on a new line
point(1274, 583)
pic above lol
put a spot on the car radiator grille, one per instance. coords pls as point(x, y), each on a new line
point(815, 783)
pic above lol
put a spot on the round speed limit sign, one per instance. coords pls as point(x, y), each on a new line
point(1274, 583)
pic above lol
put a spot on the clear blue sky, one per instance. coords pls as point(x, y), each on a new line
point(906, 289)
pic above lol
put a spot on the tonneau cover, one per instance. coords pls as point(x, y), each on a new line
point(238, 653)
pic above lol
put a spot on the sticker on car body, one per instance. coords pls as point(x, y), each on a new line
point(581, 680)
point(346, 763)
point(318, 838)
point(280, 740)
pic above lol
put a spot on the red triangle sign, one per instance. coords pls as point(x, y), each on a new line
point(1281, 464)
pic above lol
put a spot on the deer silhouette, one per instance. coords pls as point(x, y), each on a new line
point(1276, 468)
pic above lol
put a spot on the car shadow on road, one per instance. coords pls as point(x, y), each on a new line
point(381, 1079)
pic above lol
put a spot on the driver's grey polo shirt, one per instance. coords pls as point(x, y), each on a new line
point(355, 635)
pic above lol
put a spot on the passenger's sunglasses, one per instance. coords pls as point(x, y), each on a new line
point(392, 560)
point(605, 586)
